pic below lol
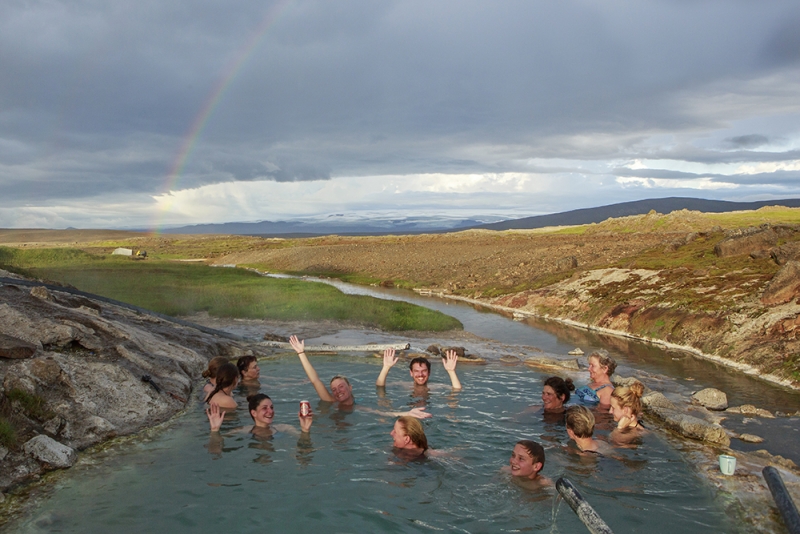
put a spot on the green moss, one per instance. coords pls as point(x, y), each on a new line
point(8, 435)
point(33, 405)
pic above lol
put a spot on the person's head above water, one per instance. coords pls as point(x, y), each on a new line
point(341, 390)
point(527, 459)
point(555, 393)
point(213, 365)
point(626, 401)
point(580, 421)
point(227, 377)
point(601, 366)
point(248, 368)
point(261, 409)
point(408, 433)
point(420, 370)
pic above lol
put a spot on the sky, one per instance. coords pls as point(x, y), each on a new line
point(150, 113)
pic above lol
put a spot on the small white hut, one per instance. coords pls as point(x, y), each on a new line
point(122, 252)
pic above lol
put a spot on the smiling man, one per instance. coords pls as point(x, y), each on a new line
point(420, 369)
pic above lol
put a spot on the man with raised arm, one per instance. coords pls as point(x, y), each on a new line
point(420, 369)
point(341, 391)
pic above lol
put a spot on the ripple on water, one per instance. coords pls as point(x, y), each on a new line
point(347, 478)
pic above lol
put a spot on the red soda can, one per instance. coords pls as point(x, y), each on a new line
point(305, 408)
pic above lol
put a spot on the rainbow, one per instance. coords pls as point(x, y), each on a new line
point(212, 101)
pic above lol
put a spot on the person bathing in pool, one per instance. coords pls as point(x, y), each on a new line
point(263, 412)
point(420, 369)
point(601, 367)
point(526, 463)
point(580, 427)
point(341, 392)
point(221, 395)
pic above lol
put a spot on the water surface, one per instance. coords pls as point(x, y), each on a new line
point(346, 478)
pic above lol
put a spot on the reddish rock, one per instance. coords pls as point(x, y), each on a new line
point(755, 243)
point(786, 253)
point(784, 286)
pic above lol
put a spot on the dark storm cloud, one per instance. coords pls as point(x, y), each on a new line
point(748, 141)
point(101, 97)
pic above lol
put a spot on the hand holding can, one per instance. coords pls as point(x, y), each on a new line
point(305, 408)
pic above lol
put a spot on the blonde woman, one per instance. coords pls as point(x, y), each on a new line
point(626, 408)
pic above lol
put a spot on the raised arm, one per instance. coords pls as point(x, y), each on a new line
point(450, 360)
point(389, 359)
point(299, 347)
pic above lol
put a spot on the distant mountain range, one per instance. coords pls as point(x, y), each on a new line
point(341, 224)
point(637, 207)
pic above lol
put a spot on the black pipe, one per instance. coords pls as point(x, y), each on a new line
point(582, 509)
point(782, 498)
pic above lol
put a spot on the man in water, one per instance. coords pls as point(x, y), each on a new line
point(420, 369)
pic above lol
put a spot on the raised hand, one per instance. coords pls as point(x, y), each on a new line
point(450, 360)
point(297, 344)
point(305, 422)
point(389, 358)
point(215, 416)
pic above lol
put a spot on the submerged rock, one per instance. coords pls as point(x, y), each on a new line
point(656, 399)
point(749, 409)
point(750, 438)
point(49, 451)
point(542, 361)
point(711, 398)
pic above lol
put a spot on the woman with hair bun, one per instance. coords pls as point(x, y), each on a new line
point(625, 408)
point(221, 395)
point(210, 374)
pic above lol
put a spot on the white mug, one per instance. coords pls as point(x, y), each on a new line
point(727, 464)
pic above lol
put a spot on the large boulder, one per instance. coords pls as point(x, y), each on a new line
point(690, 426)
point(749, 241)
point(784, 286)
point(49, 451)
point(656, 399)
point(786, 253)
point(711, 398)
point(15, 348)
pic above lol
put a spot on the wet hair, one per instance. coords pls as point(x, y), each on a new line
point(340, 377)
point(534, 449)
point(580, 420)
point(213, 365)
point(422, 360)
point(226, 377)
point(605, 360)
point(413, 429)
point(244, 362)
point(630, 397)
point(560, 386)
point(253, 401)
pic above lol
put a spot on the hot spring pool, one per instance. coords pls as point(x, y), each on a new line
point(346, 478)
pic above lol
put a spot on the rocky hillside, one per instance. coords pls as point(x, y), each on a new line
point(724, 289)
